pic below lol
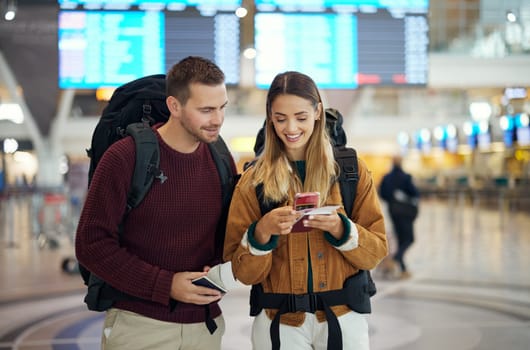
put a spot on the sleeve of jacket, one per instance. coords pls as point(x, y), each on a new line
point(369, 221)
point(409, 187)
point(244, 210)
point(385, 188)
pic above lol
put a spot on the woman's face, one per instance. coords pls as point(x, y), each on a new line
point(293, 119)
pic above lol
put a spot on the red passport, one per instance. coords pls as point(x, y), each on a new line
point(303, 203)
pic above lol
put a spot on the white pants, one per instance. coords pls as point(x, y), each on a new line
point(312, 334)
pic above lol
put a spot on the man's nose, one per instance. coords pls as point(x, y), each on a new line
point(218, 116)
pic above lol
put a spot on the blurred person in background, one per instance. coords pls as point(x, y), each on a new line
point(398, 190)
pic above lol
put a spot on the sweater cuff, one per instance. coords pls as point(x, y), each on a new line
point(350, 238)
point(257, 248)
point(162, 288)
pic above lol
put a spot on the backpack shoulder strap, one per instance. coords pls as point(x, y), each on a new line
point(223, 161)
point(348, 179)
point(264, 206)
point(147, 162)
point(346, 157)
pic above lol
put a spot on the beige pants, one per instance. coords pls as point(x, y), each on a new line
point(131, 331)
point(312, 334)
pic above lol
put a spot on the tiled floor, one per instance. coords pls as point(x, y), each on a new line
point(470, 287)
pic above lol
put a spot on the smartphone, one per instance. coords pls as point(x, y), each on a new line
point(304, 202)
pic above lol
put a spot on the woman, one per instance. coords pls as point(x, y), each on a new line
point(301, 266)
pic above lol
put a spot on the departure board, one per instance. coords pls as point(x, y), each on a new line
point(320, 45)
point(312, 5)
point(110, 48)
point(392, 50)
point(159, 4)
point(343, 44)
point(101, 48)
point(214, 37)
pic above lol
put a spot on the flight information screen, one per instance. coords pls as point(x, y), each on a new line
point(343, 44)
point(320, 45)
point(160, 4)
point(110, 48)
point(214, 37)
point(392, 50)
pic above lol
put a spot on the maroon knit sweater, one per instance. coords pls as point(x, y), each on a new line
point(172, 230)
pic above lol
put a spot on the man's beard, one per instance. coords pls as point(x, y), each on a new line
point(196, 133)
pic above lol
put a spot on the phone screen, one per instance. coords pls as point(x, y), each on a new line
point(306, 200)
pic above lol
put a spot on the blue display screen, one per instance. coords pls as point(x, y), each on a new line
point(69, 4)
point(110, 48)
point(311, 4)
point(99, 48)
point(320, 45)
point(372, 43)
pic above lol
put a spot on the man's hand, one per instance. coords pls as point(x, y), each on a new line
point(182, 289)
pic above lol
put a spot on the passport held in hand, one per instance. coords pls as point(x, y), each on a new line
point(307, 203)
point(219, 277)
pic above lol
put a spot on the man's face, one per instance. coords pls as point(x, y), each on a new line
point(203, 114)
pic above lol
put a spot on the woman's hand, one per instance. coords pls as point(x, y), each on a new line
point(278, 221)
point(331, 223)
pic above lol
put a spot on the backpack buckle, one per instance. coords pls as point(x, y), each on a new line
point(146, 108)
point(349, 173)
point(302, 302)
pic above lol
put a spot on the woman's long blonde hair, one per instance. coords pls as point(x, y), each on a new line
point(273, 169)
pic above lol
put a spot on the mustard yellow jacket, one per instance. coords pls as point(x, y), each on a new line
point(285, 269)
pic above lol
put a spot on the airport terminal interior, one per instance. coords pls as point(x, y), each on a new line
point(445, 84)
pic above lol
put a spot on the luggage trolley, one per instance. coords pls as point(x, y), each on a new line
point(52, 216)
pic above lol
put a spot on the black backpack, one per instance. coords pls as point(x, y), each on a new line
point(132, 110)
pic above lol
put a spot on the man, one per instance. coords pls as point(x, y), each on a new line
point(397, 185)
point(169, 239)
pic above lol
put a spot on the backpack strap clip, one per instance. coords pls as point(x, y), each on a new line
point(302, 302)
point(156, 173)
point(121, 132)
point(146, 116)
point(146, 108)
point(350, 173)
